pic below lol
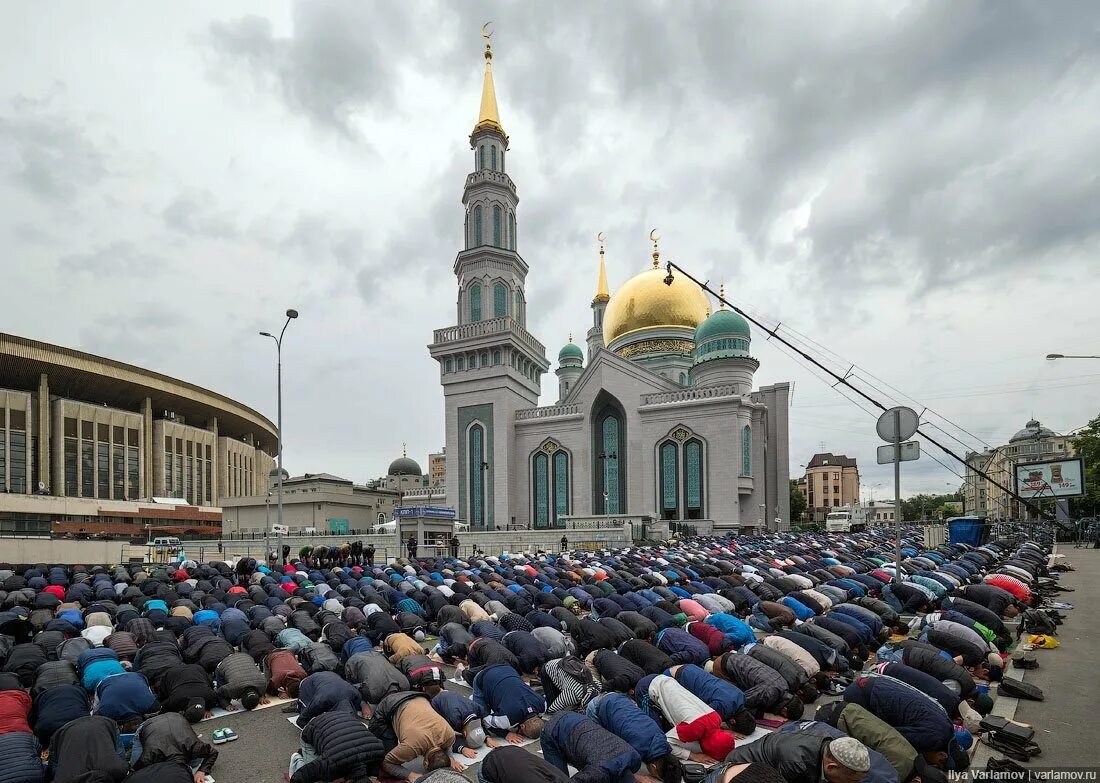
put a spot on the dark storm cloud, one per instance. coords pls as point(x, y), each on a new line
point(339, 58)
point(139, 337)
point(116, 259)
point(46, 153)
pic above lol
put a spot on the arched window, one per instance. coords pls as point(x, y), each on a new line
point(381, 518)
point(693, 479)
point(497, 226)
point(473, 361)
point(496, 358)
point(493, 156)
point(746, 451)
point(476, 470)
point(683, 379)
point(561, 486)
point(481, 157)
point(542, 490)
point(512, 230)
point(475, 302)
point(478, 236)
point(484, 358)
point(517, 314)
point(449, 366)
point(500, 301)
point(460, 363)
point(670, 480)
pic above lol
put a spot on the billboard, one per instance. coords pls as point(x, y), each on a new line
point(424, 511)
point(1063, 478)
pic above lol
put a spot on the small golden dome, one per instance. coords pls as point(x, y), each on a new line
point(644, 302)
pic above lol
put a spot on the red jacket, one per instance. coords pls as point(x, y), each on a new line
point(714, 639)
point(15, 706)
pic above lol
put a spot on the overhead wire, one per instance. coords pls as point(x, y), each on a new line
point(844, 380)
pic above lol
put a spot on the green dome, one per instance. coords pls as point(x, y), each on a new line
point(720, 323)
point(571, 351)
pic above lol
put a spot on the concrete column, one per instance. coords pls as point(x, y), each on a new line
point(43, 455)
point(216, 471)
point(147, 482)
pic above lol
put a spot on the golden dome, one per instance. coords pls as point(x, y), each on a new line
point(645, 302)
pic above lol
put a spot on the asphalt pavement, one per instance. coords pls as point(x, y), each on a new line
point(1066, 725)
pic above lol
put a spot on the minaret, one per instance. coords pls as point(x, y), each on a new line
point(570, 368)
point(599, 304)
point(490, 365)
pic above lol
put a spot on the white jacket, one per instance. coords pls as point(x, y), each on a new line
point(677, 703)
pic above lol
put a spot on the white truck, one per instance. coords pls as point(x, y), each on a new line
point(848, 519)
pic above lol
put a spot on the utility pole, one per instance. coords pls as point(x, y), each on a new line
point(291, 314)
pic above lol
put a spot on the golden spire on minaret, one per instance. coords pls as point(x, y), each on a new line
point(488, 117)
point(722, 296)
point(602, 292)
point(653, 237)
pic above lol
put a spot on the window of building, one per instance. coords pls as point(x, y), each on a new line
point(517, 313)
point(836, 477)
point(132, 474)
point(498, 226)
point(448, 366)
point(481, 156)
point(87, 468)
point(746, 451)
point(670, 480)
point(3, 454)
point(693, 479)
point(493, 156)
point(836, 489)
point(561, 485)
point(70, 462)
point(542, 489)
point(512, 230)
point(484, 358)
point(825, 489)
point(478, 236)
point(476, 469)
point(496, 358)
point(475, 302)
point(118, 466)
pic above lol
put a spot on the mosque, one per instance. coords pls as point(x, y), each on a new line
point(660, 420)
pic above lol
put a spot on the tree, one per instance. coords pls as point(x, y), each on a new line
point(1086, 444)
point(798, 502)
point(925, 506)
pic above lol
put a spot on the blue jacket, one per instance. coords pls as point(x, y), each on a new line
point(456, 710)
point(356, 644)
point(96, 664)
point(917, 717)
point(22, 764)
point(324, 692)
point(618, 713)
point(123, 697)
point(723, 697)
point(865, 616)
point(733, 627)
point(597, 753)
point(866, 635)
point(801, 611)
point(682, 647)
point(506, 694)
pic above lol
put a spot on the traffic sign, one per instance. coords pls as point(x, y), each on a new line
point(897, 424)
point(910, 450)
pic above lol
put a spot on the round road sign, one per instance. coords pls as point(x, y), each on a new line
point(897, 424)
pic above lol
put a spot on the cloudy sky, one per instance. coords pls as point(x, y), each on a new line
point(910, 185)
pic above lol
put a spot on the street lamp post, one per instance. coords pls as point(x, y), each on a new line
point(291, 314)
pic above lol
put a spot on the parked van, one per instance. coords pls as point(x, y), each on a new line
point(166, 541)
point(279, 530)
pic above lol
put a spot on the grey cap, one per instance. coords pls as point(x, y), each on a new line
point(851, 753)
point(475, 734)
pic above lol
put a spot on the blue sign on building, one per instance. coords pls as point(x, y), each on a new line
point(424, 511)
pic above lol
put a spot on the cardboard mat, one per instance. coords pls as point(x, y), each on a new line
point(276, 701)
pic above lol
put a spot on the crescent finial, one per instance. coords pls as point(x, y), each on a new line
point(599, 237)
point(653, 235)
point(487, 30)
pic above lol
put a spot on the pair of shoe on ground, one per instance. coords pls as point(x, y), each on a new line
point(221, 736)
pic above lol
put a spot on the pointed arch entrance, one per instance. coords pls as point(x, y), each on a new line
point(609, 457)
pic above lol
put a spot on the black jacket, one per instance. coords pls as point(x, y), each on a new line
point(56, 707)
point(529, 651)
point(184, 684)
point(511, 763)
point(345, 749)
point(795, 755)
point(617, 673)
point(84, 745)
point(21, 763)
point(165, 772)
point(590, 635)
point(794, 674)
point(645, 656)
point(169, 737)
point(765, 689)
